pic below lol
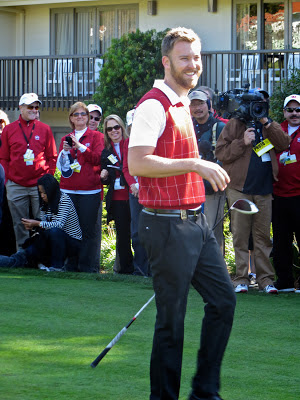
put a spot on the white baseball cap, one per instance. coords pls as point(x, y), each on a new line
point(295, 97)
point(29, 98)
point(129, 117)
point(197, 95)
point(94, 107)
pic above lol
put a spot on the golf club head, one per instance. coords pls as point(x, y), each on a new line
point(244, 206)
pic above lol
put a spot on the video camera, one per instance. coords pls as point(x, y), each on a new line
point(244, 104)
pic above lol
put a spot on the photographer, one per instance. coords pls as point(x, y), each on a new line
point(252, 166)
point(117, 197)
point(207, 130)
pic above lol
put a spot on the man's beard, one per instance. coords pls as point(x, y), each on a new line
point(186, 83)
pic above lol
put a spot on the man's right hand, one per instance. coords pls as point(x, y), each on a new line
point(249, 136)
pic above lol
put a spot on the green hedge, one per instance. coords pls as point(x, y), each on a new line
point(131, 65)
point(287, 87)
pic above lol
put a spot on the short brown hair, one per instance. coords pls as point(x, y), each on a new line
point(120, 122)
point(175, 35)
point(74, 107)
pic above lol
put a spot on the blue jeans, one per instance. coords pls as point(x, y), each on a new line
point(140, 260)
point(52, 247)
point(184, 252)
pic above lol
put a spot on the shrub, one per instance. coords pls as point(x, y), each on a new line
point(287, 87)
point(131, 65)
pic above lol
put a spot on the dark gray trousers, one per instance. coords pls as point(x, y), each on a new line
point(184, 252)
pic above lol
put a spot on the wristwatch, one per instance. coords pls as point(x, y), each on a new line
point(268, 122)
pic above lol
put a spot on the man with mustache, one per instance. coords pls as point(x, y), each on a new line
point(27, 153)
point(286, 193)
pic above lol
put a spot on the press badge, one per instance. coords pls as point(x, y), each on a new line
point(263, 147)
point(113, 159)
point(75, 166)
point(286, 158)
point(29, 157)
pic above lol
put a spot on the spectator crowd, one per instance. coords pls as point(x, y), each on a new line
point(56, 223)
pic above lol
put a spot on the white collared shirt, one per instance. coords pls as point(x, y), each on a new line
point(150, 118)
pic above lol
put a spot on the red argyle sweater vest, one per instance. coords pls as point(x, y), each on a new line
point(177, 141)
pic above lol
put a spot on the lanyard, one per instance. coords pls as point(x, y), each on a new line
point(293, 137)
point(25, 137)
point(116, 153)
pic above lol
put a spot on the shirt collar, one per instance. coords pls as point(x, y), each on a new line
point(172, 96)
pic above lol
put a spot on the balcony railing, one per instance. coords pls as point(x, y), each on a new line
point(60, 81)
point(224, 70)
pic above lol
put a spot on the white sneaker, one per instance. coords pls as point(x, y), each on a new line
point(43, 267)
point(242, 288)
point(270, 289)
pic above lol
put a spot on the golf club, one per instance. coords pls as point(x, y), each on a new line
point(119, 335)
point(243, 206)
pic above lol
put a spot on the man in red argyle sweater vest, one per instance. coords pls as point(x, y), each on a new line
point(182, 250)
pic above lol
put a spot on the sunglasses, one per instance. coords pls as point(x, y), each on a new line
point(82, 114)
point(2, 121)
point(33, 107)
point(95, 118)
point(110, 128)
point(291, 109)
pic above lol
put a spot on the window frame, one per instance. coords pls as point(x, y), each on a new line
point(260, 22)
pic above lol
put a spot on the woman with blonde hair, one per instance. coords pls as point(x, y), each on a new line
point(117, 198)
point(79, 163)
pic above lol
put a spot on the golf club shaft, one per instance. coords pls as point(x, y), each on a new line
point(119, 335)
point(220, 220)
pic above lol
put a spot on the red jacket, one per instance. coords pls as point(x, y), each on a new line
point(89, 176)
point(288, 183)
point(14, 146)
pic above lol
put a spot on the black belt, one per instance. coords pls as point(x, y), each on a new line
point(182, 214)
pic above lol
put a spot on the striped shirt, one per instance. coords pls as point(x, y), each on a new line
point(65, 219)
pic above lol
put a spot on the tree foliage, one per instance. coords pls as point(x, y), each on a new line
point(131, 65)
point(288, 86)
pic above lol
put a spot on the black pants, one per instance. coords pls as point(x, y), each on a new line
point(51, 247)
point(121, 215)
point(87, 207)
point(184, 252)
point(286, 222)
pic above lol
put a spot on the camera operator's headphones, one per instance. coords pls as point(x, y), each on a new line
point(208, 100)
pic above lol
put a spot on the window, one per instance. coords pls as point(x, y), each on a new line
point(296, 25)
point(268, 24)
point(246, 26)
point(274, 26)
point(89, 30)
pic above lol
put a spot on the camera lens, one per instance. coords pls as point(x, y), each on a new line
point(259, 109)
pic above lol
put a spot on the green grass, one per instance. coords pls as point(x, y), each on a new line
point(53, 325)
